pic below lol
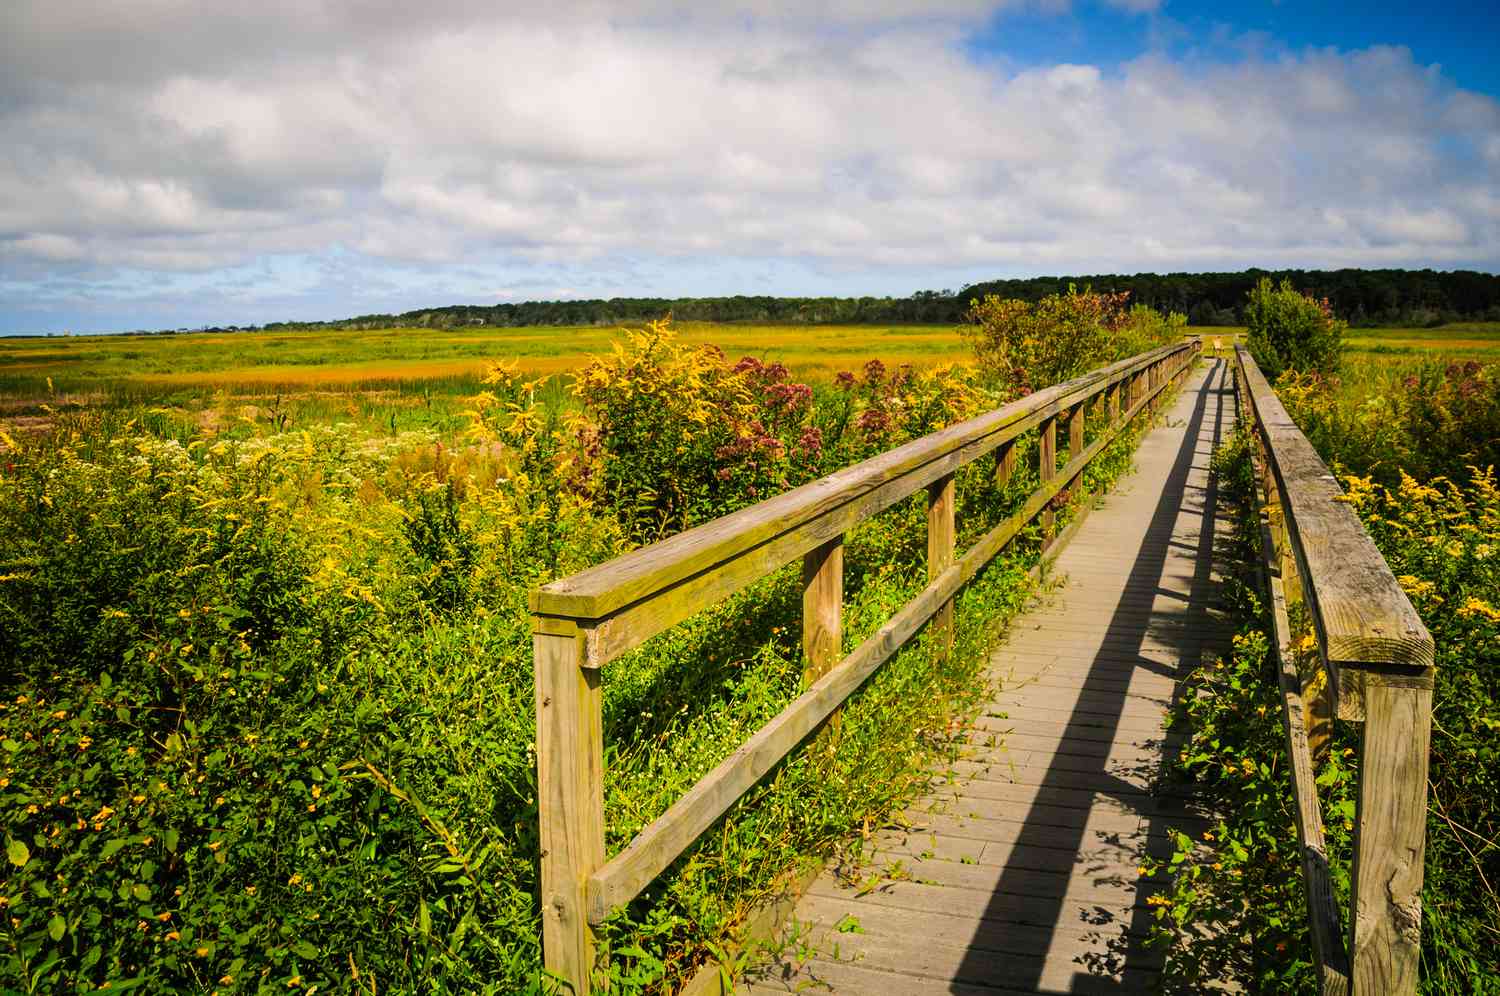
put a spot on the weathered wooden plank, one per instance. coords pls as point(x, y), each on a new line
point(594, 593)
point(990, 957)
point(1037, 720)
point(1075, 428)
point(1046, 469)
point(822, 609)
point(1391, 826)
point(570, 794)
point(940, 538)
point(1331, 957)
point(1361, 614)
point(842, 977)
point(1005, 462)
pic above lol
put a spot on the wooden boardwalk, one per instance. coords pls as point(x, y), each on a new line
point(1021, 876)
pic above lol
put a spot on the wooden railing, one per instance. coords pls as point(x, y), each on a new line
point(583, 621)
point(1374, 664)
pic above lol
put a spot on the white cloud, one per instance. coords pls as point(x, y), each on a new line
point(156, 137)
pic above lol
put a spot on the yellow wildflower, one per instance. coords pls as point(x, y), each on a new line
point(1478, 607)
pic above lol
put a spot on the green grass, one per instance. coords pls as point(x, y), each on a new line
point(441, 361)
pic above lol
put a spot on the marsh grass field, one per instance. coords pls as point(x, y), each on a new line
point(451, 362)
point(440, 361)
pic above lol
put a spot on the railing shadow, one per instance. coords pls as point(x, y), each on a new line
point(1163, 626)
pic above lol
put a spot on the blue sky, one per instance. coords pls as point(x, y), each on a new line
point(1460, 38)
point(183, 164)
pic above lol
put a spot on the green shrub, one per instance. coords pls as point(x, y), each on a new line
point(1289, 330)
point(1435, 420)
point(1022, 345)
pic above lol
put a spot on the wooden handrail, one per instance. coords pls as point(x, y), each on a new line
point(1376, 657)
point(583, 621)
point(622, 603)
point(1364, 619)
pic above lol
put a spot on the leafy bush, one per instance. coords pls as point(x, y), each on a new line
point(1023, 345)
point(685, 435)
point(1289, 330)
point(1436, 420)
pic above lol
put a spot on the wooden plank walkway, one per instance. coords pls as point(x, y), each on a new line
point(1020, 876)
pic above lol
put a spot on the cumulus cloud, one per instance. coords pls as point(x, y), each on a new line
point(158, 138)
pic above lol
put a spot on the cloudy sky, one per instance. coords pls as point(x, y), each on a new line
point(168, 163)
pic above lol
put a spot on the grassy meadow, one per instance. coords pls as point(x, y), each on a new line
point(442, 361)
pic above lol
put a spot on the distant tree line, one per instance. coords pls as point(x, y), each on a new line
point(1361, 297)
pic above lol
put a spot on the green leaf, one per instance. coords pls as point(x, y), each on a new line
point(56, 927)
point(305, 949)
point(18, 853)
point(112, 846)
point(424, 919)
point(169, 839)
point(10, 745)
point(140, 891)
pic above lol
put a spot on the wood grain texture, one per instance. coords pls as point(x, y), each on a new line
point(1046, 470)
point(1005, 463)
point(1362, 616)
point(1330, 954)
point(822, 609)
point(1076, 419)
point(1391, 827)
point(570, 797)
point(940, 539)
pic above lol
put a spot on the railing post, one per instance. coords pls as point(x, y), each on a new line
point(822, 609)
point(940, 542)
point(1390, 836)
point(1075, 429)
point(1046, 470)
point(1114, 402)
point(570, 797)
point(1005, 463)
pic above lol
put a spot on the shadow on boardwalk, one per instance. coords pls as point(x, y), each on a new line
point(1022, 876)
point(1165, 623)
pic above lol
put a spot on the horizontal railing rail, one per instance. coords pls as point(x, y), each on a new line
point(1374, 664)
point(583, 621)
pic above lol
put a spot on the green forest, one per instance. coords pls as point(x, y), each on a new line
point(1363, 298)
